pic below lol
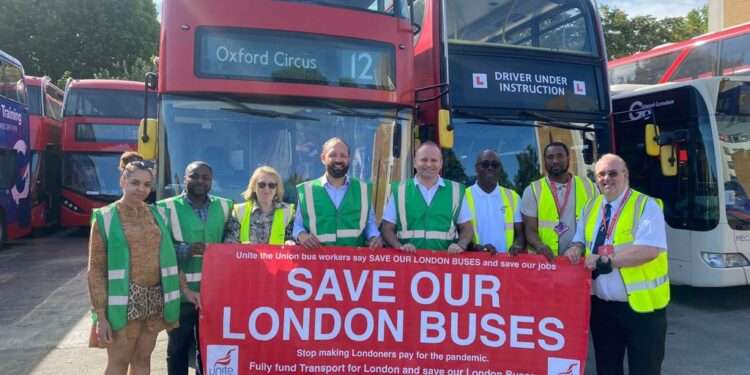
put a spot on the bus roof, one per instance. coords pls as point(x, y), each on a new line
point(671, 47)
point(647, 89)
point(105, 84)
point(5, 56)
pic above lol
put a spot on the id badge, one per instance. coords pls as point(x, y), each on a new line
point(606, 250)
point(561, 228)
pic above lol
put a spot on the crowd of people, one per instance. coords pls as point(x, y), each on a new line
point(145, 260)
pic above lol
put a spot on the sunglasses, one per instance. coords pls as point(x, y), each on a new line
point(262, 185)
point(610, 174)
point(486, 164)
point(141, 164)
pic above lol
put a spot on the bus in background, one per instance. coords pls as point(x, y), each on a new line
point(100, 122)
point(511, 76)
point(688, 143)
point(721, 53)
point(15, 200)
point(45, 119)
point(240, 87)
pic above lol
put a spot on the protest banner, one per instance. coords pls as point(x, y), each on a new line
point(268, 309)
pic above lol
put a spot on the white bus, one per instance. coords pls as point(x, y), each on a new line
point(688, 143)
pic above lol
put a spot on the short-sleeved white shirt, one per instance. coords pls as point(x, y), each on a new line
point(651, 232)
point(389, 214)
point(490, 220)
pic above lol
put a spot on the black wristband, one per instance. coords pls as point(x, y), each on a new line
point(603, 267)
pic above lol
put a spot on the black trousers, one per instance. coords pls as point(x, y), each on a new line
point(615, 328)
point(183, 340)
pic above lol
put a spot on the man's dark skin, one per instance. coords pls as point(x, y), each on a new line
point(487, 180)
point(556, 163)
point(198, 180)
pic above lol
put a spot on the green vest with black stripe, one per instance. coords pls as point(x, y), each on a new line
point(510, 201)
point(107, 220)
point(187, 227)
point(426, 226)
point(281, 218)
point(647, 284)
point(547, 215)
point(342, 226)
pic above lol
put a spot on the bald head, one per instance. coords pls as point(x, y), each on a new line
point(332, 143)
point(611, 176)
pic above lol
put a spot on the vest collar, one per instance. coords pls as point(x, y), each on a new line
point(209, 199)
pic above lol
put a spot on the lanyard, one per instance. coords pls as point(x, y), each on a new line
point(568, 188)
point(615, 218)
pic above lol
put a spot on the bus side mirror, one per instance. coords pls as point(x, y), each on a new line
point(668, 161)
point(148, 138)
point(152, 81)
point(651, 139)
point(445, 129)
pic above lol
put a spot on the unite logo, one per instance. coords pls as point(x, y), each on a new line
point(563, 366)
point(479, 80)
point(222, 359)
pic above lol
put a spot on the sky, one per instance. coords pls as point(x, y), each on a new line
point(656, 8)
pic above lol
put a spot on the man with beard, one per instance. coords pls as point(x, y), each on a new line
point(335, 209)
point(495, 210)
point(197, 219)
point(423, 212)
point(552, 205)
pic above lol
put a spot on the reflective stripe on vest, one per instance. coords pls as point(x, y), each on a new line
point(118, 265)
point(647, 285)
point(343, 226)
point(547, 215)
point(509, 200)
point(435, 223)
point(281, 218)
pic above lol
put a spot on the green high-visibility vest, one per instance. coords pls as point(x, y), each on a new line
point(547, 214)
point(281, 218)
point(510, 201)
point(187, 227)
point(342, 226)
point(107, 220)
point(427, 226)
point(647, 285)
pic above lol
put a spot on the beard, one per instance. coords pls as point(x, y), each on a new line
point(337, 170)
point(557, 171)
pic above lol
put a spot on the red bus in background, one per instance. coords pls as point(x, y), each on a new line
point(45, 118)
point(240, 86)
point(100, 121)
point(721, 53)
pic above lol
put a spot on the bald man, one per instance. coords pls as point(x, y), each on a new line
point(622, 236)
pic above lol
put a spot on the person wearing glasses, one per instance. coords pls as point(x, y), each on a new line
point(264, 218)
point(197, 219)
point(132, 275)
point(495, 210)
point(622, 236)
point(424, 212)
point(335, 209)
point(551, 205)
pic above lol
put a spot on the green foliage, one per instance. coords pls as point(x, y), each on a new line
point(80, 36)
point(131, 72)
point(626, 35)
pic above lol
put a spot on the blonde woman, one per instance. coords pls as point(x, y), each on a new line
point(133, 281)
point(263, 217)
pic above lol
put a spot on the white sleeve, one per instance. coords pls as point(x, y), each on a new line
point(579, 235)
point(652, 228)
point(389, 214)
point(464, 214)
point(517, 212)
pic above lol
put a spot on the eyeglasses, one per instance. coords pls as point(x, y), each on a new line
point(262, 185)
point(487, 163)
point(141, 164)
point(610, 174)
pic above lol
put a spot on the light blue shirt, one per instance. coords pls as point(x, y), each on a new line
point(337, 195)
point(490, 222)
point(389, 215)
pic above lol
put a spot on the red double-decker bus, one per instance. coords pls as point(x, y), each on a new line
point(45, 120)
point(512, 76)
point(248, 83)
point(100, 121)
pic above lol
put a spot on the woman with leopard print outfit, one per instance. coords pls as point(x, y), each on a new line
point(134, 283)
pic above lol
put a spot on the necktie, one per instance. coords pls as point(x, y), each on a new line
point(602, 233)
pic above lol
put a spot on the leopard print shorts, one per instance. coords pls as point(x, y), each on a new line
point(144, 302)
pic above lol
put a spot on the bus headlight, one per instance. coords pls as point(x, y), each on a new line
point(72, 206)
point(725, 260)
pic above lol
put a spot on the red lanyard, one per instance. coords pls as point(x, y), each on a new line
point(568, 188)
point(614, 219)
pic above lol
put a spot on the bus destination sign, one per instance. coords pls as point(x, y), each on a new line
point(268, 55)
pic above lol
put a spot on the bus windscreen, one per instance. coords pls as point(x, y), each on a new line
point(108, 103)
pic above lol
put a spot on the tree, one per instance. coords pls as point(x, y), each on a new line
point(80, 36)
point(131, 72)
point(625, 35)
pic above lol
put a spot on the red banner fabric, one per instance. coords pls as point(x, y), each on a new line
point(272, 310)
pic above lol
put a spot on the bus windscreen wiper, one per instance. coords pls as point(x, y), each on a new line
point(341, 110)
point(240, 107)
